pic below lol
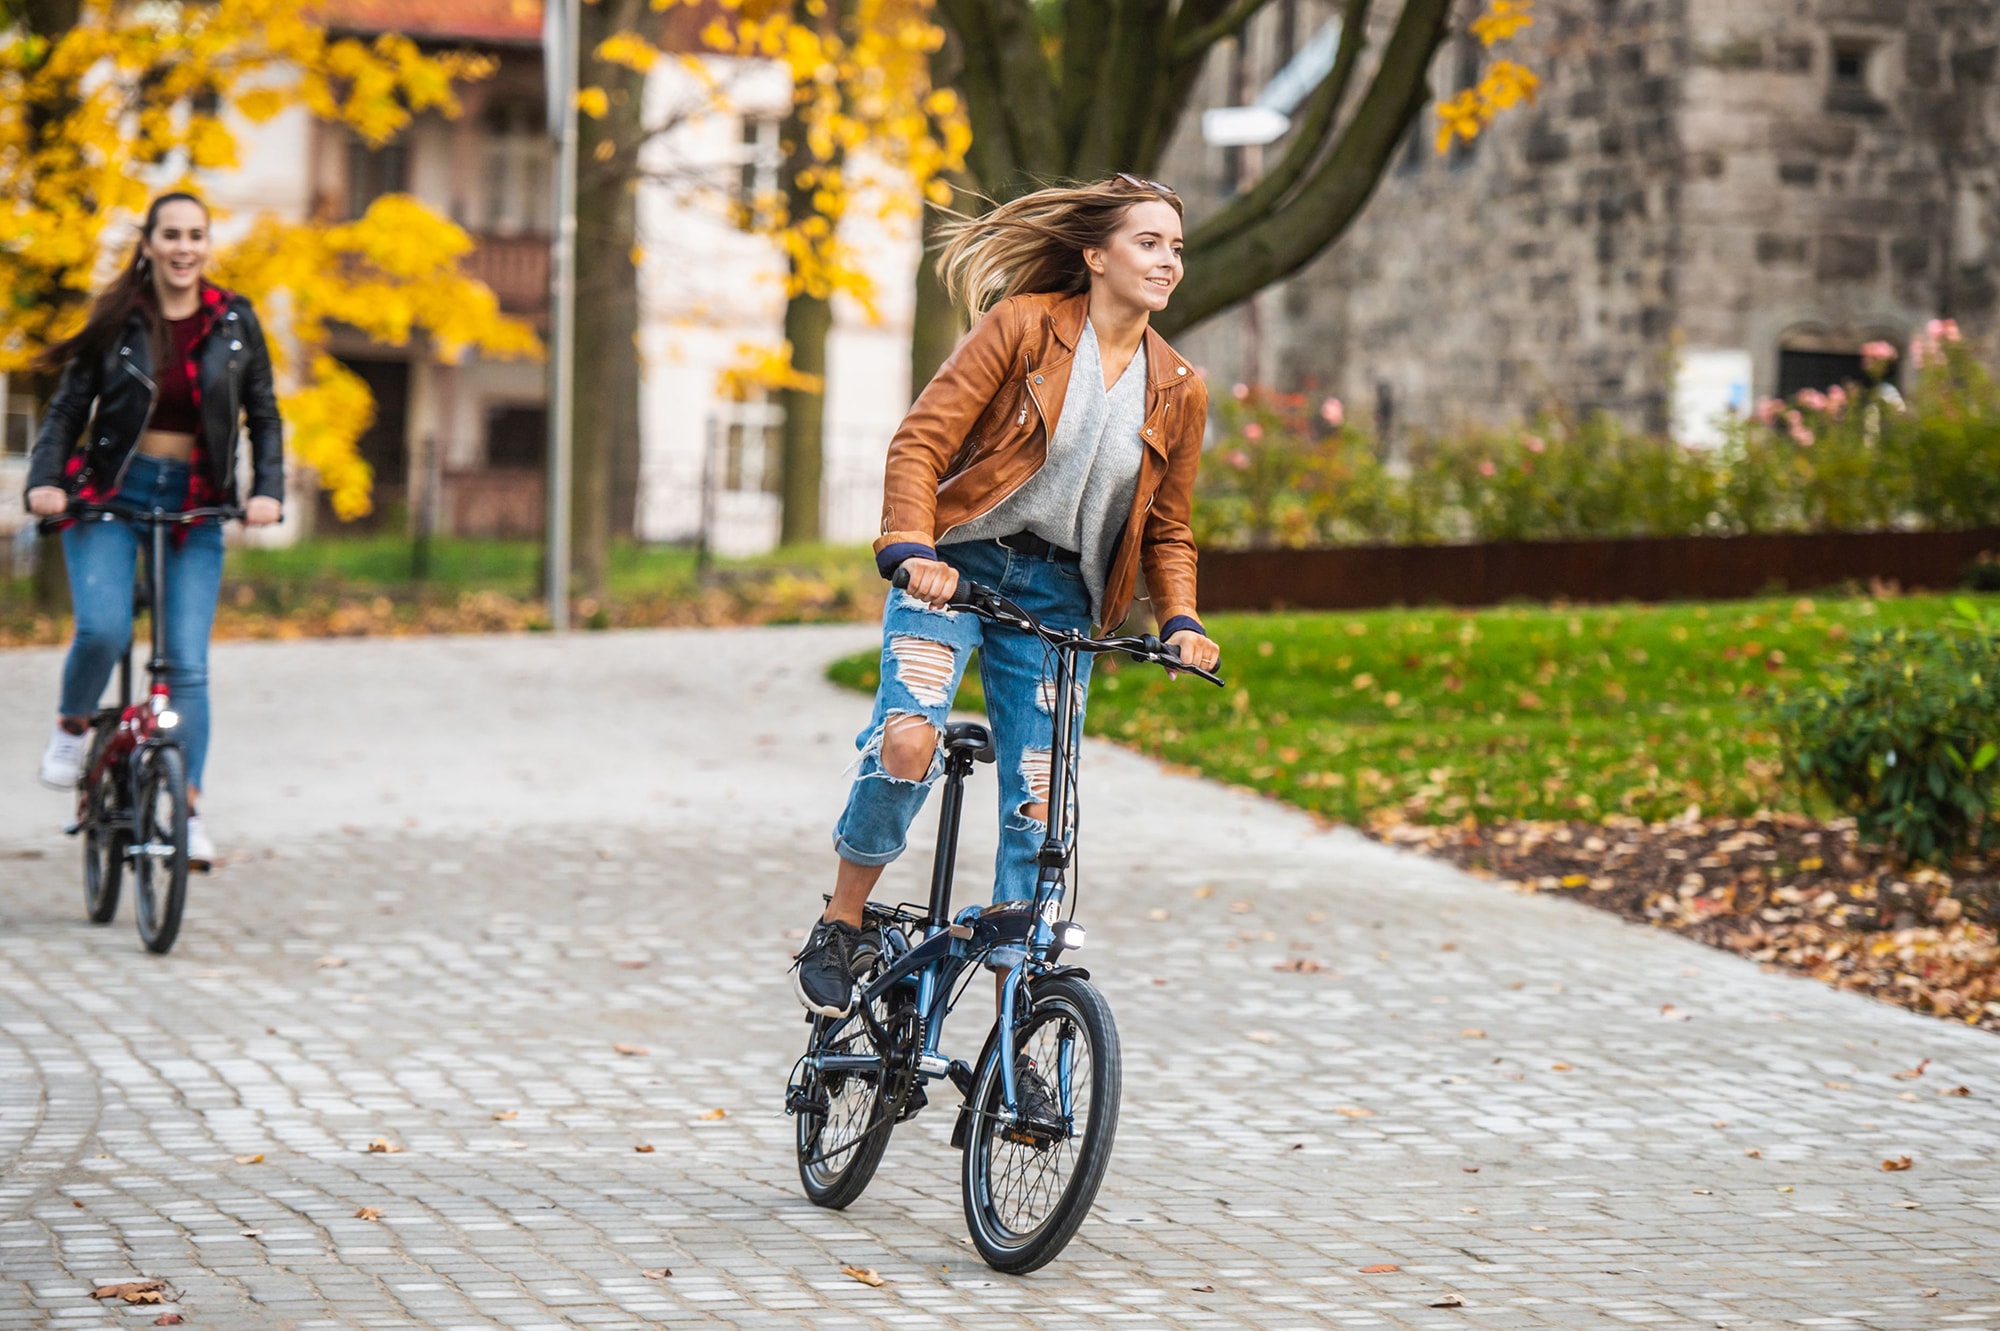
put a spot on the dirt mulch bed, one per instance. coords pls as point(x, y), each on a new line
point(1779, 889)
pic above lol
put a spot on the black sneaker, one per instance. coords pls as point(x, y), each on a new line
point(1041, 1122)
point(824, 976)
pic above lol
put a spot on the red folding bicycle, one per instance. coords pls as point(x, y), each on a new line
point(132, 798)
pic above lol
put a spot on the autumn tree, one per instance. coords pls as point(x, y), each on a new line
point(1060, 89)
point(103, 104)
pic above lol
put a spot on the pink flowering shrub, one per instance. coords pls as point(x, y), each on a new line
point(1282, 470)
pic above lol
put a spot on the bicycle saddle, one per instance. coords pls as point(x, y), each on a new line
point(969, 737)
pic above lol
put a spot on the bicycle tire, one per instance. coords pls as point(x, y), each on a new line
point(834, 1172)
point(159, 882)
point(1002, 1178)
point(105, 837)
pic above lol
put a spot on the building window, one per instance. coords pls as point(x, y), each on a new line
point(516, 435)
point(752, 446)
point(517, 170)
point(758, 157)
point(374, 172)
point(1849, 85)
point(19, 435)
point(1802, 369)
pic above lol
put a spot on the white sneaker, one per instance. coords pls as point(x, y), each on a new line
point(62, 760)
point(201, 851)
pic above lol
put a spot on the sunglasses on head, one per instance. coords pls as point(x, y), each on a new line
point(1140, 182)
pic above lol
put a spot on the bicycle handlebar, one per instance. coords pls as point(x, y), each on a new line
point(990, 604)
point(221, 512)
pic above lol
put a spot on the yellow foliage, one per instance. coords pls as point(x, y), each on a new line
point(767, 369)
point(1505, 85)
point(593, 102)
point(84, 109)
point(1502, 19)
point(630, 50)
point(862, 90)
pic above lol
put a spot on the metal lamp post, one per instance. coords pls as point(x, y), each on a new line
point(560, 22)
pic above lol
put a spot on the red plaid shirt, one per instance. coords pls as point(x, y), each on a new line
point(201, 489)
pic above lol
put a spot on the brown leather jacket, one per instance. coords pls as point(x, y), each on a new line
point(981, 428)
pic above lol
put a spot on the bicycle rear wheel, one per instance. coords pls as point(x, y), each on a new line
point(106, 834)
point(160, 859)
point(843, 1117)
point(1027, 1191)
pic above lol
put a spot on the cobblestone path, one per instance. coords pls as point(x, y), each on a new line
point(1362, 1090)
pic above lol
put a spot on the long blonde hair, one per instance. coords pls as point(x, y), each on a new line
point(1035, 243)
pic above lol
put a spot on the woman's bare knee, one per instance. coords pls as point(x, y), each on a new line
point(909, 743)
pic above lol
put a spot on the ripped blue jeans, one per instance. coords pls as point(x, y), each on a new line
point(924, 655)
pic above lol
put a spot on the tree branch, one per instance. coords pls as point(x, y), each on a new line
point(1222, 273)
point(1309, 138)
point(1190, 47)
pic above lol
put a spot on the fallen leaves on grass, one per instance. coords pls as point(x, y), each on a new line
point(368, 1213)
point(383, 1146)
point(133, 1291)
point(1897, 1165)
point(866, 1275)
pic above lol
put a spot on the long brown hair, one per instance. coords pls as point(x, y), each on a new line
point(131, 290)
point(1035, 243)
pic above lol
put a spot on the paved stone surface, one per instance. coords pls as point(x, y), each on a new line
point(468, 869)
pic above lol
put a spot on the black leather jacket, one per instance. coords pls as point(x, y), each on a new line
point(114, 393)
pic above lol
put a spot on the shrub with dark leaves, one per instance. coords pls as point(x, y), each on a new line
point(1903, 735)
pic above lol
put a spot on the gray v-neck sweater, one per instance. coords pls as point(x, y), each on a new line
point(1080, 498)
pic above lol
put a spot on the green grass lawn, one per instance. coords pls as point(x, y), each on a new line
point(1516, 712)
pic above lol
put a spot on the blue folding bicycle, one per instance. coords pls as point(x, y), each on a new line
point(1041, 1101)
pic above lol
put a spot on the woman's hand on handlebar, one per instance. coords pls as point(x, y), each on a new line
point(47, 501)
point(1196, 650)
point(262, 511)
point(932, 581)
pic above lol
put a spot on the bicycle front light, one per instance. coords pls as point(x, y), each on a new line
point(168, 719)
point(1069, 936)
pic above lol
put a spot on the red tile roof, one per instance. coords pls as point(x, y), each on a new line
point(500, 22)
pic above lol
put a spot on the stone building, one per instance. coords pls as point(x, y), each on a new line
point(1711, 200)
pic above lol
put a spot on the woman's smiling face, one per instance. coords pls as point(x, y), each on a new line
point(178, 245)
point(1140, 264)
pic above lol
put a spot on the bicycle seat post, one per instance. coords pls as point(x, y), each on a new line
point(957, 766)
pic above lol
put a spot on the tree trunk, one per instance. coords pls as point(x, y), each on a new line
point(1085, 87)
point(936, 324)
point(607, 293)
point(808, 320)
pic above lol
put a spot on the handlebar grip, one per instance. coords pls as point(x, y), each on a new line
point(969, 595)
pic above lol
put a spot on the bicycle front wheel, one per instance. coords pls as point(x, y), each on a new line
point(1029, 1185)
point(106, 834)
point(160, 859)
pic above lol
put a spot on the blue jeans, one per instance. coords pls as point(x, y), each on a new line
point(102, 556)
point(924, 655)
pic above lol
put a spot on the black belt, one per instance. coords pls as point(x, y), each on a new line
point(1027, 543)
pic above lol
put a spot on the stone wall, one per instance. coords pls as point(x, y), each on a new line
point(1693, 176)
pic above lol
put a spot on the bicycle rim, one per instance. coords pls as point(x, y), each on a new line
point(1024, 1200)
point(160, 868)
